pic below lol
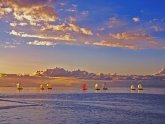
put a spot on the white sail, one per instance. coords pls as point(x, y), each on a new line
point(132, 87)
point(105, 86)
point(48, 86)
point(140, 87)
point(41, 86)
point(97, 87)
point(18, 85)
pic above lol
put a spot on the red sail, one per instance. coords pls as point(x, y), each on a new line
point(84, 87)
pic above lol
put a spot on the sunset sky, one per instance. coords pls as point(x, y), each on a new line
point(109, 36)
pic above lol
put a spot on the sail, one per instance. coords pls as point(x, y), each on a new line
point(140, 86)
point(84, 87)
point(132, 87)
point(105, 86)
point(96, 86)
point(48, 86)
point(18, 85)
point(41, 86)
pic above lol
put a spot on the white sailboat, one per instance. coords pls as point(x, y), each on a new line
point(105, 86)
point(97, 87)
point(19, 87)
point(41, 87)
point(132, 87)
point(140, 87)
point(48, 86)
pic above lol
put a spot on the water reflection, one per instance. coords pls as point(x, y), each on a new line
point(140, 91)
point(19, 90)
point(132, 91)
point(32, 90)
point(96, 91)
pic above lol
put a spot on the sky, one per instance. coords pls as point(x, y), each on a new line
point(109, 36)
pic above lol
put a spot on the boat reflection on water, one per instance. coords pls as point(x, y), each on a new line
point(140, 91)
point(132, 91)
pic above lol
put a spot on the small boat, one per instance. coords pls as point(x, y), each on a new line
point(41, 87)
point(84, 87)
point(140, 87)
point(105, 86)
point(132, 87)
point(19, 87)
point(97, 87)
point(48, 86)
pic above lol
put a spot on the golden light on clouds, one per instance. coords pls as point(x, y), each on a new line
point(41, 20)
point(61, 37)
point(115, 44)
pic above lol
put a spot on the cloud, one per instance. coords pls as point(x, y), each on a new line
point(61, 37)
point(115, 44)
point(136, 19)
point(130, 36)
point(66, 27)
point(76, 28)
point(42, 43)
point(114, 22)
point(14, 24)
point(31, 11)
point(156, 28)
point(155, 44)
point(4, 10)
point(41, 21)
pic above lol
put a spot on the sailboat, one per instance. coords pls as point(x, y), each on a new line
point(97, 87)
point(41, 87)
point(105, 86)
point(140, 87)
point(84, 87)
point(132, 87)
point(19, 87)
point(48, 86)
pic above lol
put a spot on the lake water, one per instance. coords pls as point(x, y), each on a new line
point(72, 106)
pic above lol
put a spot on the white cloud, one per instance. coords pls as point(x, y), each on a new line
point(61, 37)
point(130, 36)
point(115, 44)
point(136, 19)
point(42, 43)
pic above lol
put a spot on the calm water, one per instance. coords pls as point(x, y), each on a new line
point(72, 106)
